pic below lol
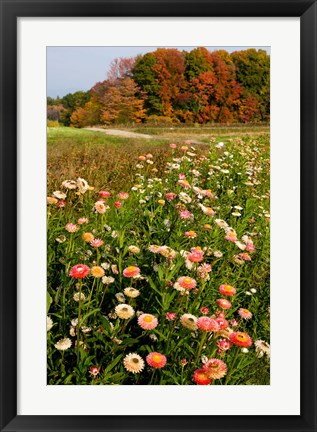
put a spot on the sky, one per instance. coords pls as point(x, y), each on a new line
point(70, 69)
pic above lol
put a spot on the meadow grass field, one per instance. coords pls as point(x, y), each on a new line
point(159, 257)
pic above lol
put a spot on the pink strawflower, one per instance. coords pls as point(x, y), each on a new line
point(70, 227)
point(245, 256)
point(94, 371)
point(105, 194)
point(83, 220)
point(234, 323)
point(173, 146)
point(204, 310)
point(224, 304)
point(96, 243)
point(184, 148)
point(61, 204)
point(185, 215)
point(170, 196)
point(147, 321)
point(123, 195)
point(220, 314)
point(207, 324)
point(207, 210)
point(231, 236)
point(171, 316)
point(190, 234)
point(215, 368)
point(149, 156)
point(241, 339)
point(186, 282)
point(79, 271)
point(114, 269)
point(141, 158)
point(184, 184)
point(182, 176)
point(156, 360)
point(196, 255)
point(250, 247)
point(223, 323)
point(245, 313)
point(131, 271)
point(227, 290)
point(118, 204)
point(223, 344)
point(200, 377)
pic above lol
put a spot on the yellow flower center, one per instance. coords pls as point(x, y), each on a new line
point(148, 319)
point(156, 358)
point(213, 366)
point(187, 280)
point(241, 337)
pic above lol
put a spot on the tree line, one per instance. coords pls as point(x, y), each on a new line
point(173, 86)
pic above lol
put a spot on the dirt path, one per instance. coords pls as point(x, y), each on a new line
point(121, 133)
point(129, 134)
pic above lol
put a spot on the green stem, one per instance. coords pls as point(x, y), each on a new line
point(79, 323)
point(152, 377)
point(200, 347)
point(232, 365)
point(103, 295)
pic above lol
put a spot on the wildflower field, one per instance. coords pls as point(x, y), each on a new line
point(158, 261)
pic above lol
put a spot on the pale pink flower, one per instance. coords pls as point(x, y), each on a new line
point(114, 269)
point(70, 227)
point(123, 195)
point(207, 324)
point(224, 304)
point(245, 313)
point(83, 220)
point(100, 207)
point(173, 146)
point(131, 271)
point(186, 282)
point(96, 243)
point(185, 215)
point(147, 321)
point(223, 344)
point(171, 316)
point(170, 196)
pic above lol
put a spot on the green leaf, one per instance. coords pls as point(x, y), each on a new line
point(112, 365)
point(88, 315)
point(49, 301)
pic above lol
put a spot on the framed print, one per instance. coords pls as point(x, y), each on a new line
point(157, 215)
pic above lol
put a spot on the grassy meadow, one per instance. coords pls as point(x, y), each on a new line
point(159, 256)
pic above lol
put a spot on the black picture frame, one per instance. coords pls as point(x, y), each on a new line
point(10, 11)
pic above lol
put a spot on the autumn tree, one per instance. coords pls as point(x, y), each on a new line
point(122, 102)
point(253, 74)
